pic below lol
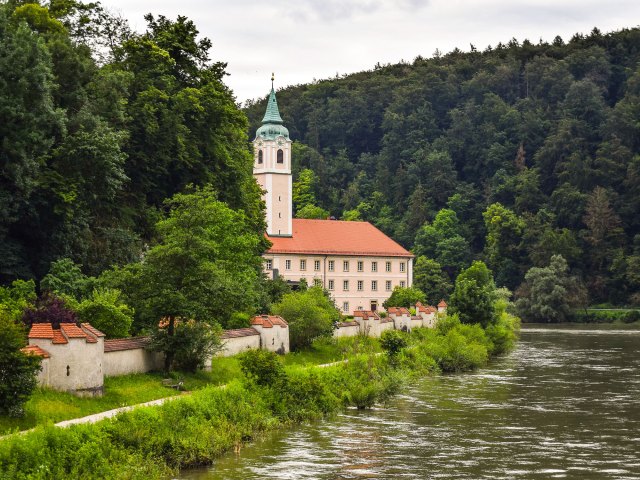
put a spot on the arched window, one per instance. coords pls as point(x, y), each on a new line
point(259, 156)
point(280, 156)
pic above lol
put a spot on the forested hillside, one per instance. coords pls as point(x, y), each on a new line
point(99, 125)
point(510, 155)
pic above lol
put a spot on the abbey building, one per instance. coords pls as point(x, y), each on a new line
point(357, 263)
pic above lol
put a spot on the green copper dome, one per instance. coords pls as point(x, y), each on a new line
point(272, 122)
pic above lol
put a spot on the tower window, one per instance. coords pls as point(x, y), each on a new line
point(259, 156)
point(280, 156)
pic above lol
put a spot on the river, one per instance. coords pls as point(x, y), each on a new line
point(564, 404)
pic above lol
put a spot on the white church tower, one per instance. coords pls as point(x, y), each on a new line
point(272, 169)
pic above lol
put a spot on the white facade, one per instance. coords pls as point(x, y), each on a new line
point(369, 280)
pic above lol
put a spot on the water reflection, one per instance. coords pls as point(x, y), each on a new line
point(566, 404)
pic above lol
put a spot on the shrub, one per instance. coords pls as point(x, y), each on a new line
point(310, 314)
point(17, 370)
point(50, 309)
point(191, 344)
point(104, 310)
point(262, 367)
point(392, 342)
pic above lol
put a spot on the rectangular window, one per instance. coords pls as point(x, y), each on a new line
point(317, 282)
point(345, 307)
point(360, 285)
point(402, 266)
point(330, 286)
point(388, 266)
point(402, 284)
point(287, 264)
point(345, 285)
point(360, 265)
point(303, 264)
point(331, 265)
point(268, 264)
point(387, 285)
point(374, 266)
point(374, 285)
point(345, 266)
point(316, 265)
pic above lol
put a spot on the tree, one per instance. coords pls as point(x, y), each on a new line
point(310, 314)
point(105, 311)
point(474, 295)
point(15, 299)
point(312, 211)
point(404, 297)
point(429, 278)
point(17, 369)
point(66, 278)
point(549, 294)
point(205, 266)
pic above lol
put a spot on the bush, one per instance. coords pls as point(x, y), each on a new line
point(104, 310)
point(17, 370)
point(50, 309)
point(310, 314)
point(404, 297)
point(262, 367)
point(503, 333)
point(392, 342)
point(191, 344)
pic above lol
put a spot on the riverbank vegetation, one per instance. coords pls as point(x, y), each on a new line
point(152, 442)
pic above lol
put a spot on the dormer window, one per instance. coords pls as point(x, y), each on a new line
point(259, 156)
point(280, 156)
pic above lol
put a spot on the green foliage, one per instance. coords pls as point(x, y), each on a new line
point(66, 278)
point(262, 367)
point(17, 369)
point(404, 297)
point(106, 312)
point(550, 294)
point(474, 295)
point(312, 211)
point(189, 346)
point(15, 299)
point(429, 277)
point(392, 342)
point(310, 314)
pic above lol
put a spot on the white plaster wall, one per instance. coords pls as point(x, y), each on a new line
point(138, 360)
point(43, 375)
point(401, 321)
point(386, 326)
point(350, 331)
point(85, 362)
point(428, 319)
point(417, 323)
point(235, 345)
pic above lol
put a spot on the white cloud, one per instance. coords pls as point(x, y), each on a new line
point(306, 39)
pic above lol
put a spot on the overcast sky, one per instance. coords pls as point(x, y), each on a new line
point(303, 40)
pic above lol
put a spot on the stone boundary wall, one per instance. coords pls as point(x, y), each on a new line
point(124, 356)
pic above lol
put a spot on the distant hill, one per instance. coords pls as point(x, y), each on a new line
point(548, 131)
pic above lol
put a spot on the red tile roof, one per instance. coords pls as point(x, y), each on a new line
point(425, 308)
point(71, 330)
point(268, 321)
point(366, 314)
point(119, 344)
point(41, 330)
point(92, 330)
point(35, 350)
point(442, 304)
point(398, 311)
point(336, 237)
point(58, 337)
point(348, 324)
point(239, 332)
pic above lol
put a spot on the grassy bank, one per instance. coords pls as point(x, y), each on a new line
point(156, 441)
point(50, 406)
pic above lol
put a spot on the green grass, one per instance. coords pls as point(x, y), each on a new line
point(50, 406)
point(327, 350)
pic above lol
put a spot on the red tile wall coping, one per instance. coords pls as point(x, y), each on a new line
point(239, 332)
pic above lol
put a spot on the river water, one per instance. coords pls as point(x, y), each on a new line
point(565, 404)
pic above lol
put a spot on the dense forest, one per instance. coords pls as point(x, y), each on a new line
point(509, 155)
point(99, 125)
